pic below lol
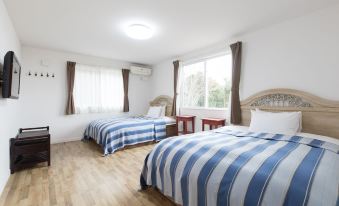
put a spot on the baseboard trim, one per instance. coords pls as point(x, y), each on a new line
point(63, 140)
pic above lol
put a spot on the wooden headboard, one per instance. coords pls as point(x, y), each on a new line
point(163, 100)
point(320, 116)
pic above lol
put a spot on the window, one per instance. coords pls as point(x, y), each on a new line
point(97, 89)
point(207, 83)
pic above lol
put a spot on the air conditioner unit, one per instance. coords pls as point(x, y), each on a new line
point(142, 71)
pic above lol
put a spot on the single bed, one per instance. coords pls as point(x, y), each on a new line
point(232, 166)
point(116, 133)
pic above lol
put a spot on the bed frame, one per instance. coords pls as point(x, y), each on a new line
point(171, 130)
point(320, 116)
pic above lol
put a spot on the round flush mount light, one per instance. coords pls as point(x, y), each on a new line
point(139, 31)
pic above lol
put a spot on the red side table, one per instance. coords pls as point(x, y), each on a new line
point(185, 119)
point(212, 122)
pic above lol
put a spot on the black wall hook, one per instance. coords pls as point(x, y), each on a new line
point(42, 74)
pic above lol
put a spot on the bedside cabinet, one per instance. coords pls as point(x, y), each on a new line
point(212, 122)
point(185, 119)
point(171, 130)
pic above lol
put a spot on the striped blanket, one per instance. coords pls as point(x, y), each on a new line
point(225, 167)
point(115, 133)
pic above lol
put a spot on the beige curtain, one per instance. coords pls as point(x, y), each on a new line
point(70, 108)
point(125, 77)
point(176, 71)
point(236, 70)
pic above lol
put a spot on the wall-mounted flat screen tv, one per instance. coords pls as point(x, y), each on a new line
point(11, 76)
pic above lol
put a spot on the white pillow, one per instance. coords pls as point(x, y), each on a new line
point(154, 112)
point(296, 113)
point(320, 137)
point(287, 123)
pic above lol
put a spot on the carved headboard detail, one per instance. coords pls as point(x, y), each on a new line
point(163, 100)
point(320, 116)
point(282, 100)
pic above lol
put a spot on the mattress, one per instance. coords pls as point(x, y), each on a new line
point(115, 133)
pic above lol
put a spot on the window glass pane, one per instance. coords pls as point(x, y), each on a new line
point(219, 74)
point(193, 93)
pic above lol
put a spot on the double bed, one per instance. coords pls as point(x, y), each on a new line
point(116, 133)
point(234, 166)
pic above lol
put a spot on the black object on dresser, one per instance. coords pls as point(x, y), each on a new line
point(31, 146)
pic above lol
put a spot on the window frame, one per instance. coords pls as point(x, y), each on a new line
point(204, 60)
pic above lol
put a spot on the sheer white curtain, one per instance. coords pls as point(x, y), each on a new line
point(97, 89)
point(179, 96)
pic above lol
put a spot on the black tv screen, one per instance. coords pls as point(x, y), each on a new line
point(11, 76)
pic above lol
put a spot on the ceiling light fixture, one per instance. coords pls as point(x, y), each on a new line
point(139, 31)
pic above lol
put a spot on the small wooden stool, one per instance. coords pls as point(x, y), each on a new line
point(185, 119)
point(212, 122)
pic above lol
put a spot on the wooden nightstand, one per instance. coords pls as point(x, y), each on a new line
point(185, 119)
point(212, 122)
point(171, 130)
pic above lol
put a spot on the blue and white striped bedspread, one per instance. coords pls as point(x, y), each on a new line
point(115, 133)
point(224, 167)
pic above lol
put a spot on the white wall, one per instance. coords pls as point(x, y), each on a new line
point(300, 54)
point(43, 100)
point(8, 107)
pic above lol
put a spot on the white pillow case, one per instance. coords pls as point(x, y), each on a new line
point(154, 112)
point(287, 123)
point(320, 137)
point(313, 136)
point(296, 113)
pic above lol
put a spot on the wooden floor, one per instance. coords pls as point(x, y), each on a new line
point(79, 175)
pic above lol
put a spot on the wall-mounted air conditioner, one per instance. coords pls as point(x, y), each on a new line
point(142, 71)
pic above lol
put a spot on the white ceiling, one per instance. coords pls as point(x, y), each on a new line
point(95, 27)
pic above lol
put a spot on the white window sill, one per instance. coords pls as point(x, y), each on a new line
point(203, 108)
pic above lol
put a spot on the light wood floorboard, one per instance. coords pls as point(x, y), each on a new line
point(79, 175)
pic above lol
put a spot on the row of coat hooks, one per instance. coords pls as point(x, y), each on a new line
point(41, 74)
